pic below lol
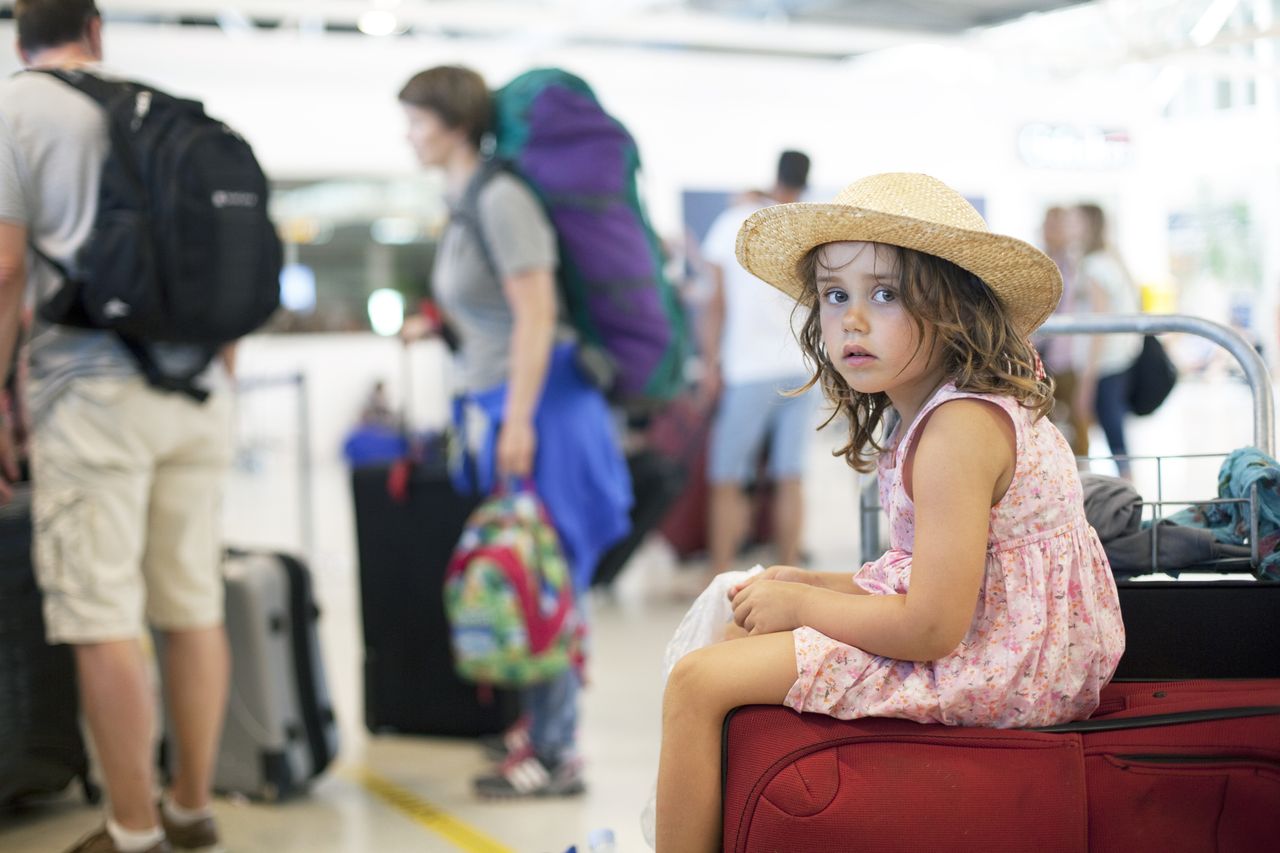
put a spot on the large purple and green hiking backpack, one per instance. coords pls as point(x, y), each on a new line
point(582, 164)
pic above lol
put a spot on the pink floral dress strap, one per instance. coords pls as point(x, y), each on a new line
point(898, 506)
point(945, 394)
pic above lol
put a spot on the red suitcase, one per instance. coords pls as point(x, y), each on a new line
point(681, 432)
point(1172, 766)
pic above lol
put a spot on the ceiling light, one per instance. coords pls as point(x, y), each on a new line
point(378, 22)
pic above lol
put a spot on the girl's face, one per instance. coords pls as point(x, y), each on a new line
point(431, 139)
point(871, 339)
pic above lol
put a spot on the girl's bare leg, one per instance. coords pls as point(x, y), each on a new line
point(704, 686)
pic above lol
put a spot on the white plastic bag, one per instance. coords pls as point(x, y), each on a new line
point(702, 626)
point(705, 622)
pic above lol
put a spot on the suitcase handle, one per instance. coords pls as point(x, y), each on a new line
point(1155, 720)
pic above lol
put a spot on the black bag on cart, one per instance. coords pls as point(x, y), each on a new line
point(1151, 377)
point(41, 748)
point(1186, 629)
point(280, 730)
point(405, 541)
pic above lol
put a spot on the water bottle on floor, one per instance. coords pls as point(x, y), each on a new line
point(601, 841)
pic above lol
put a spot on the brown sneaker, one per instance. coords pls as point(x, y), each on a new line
point(100, 842)
point(201, 835)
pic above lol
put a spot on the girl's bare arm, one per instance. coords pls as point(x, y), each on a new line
point(953, 493)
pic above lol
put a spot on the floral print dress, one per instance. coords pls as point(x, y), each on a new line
point(1046, 633)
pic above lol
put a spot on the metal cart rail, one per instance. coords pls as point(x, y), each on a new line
point(1255, 374)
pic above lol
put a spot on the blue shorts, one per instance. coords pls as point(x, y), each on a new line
point(750, 412)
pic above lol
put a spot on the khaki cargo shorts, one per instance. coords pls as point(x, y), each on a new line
point(127, 509)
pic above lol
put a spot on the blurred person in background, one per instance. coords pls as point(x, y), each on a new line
point(1103, 286)
point(751, 359)
point(126, 479)
point(539, 416)
point(1057, 349)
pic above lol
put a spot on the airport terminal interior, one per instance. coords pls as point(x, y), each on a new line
point(1164, 113)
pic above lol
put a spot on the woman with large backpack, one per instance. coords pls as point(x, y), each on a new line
point(527, 409)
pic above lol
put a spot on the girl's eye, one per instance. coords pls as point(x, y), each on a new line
point(835, 296)
point(883, 295)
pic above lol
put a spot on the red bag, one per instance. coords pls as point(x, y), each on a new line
point(682, 431)
point(1177, 766)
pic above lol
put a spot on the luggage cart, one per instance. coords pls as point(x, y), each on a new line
point(1218, 619)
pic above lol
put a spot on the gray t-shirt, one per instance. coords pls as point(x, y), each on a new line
point(520, 239)
point(53, 141)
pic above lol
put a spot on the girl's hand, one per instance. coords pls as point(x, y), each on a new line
point(770, 606)
point(790, 574)
point(417, 328)
point(517, 442)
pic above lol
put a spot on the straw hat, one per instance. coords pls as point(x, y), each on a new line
point(912, 211)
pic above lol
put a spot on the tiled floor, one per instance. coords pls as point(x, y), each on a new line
point(621, 714)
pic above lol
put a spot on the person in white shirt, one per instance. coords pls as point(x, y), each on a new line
point(752, 360)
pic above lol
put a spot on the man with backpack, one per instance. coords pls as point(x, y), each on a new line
point(127, 471)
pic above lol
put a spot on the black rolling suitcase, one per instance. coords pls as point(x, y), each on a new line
point(41, 748)
point(404, 545)
point(1225, 629)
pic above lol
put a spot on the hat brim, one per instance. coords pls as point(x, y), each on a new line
point(773, 241)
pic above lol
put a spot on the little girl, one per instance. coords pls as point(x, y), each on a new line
point(995, 605)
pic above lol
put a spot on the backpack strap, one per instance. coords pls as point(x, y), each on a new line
point(100, 90)
point(66, 302)
point(467, 212)
point(161, 381)
point(106, 94)
point(594, 361)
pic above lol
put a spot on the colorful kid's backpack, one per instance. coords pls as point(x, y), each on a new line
point(581, 163)
point(508, 595)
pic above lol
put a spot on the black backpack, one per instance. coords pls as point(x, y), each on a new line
point(182, 249)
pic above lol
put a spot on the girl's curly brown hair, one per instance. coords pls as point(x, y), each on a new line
point(983, 350)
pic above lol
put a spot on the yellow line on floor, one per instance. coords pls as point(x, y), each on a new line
point(448, 827)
